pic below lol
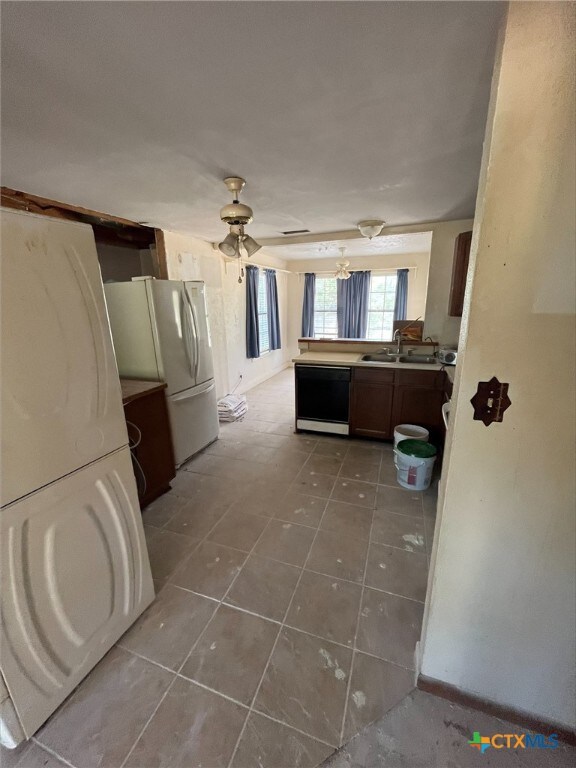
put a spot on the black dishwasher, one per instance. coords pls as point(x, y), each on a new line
point(323, 398)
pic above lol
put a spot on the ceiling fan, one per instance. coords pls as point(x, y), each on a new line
point(237, 215)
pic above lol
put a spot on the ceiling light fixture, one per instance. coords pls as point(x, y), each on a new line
point(237, 215)
point(370, 227)
point(342, 267)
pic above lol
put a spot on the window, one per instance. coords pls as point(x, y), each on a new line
point(381, 307)
point(325, 308)
point(263, 313)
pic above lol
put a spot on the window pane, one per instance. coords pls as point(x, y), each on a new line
point(263, 314)
point(381, 307)
point(325, 308)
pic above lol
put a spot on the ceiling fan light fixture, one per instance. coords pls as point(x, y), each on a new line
point(370, 227)
point(250, 245)
point(229, 246)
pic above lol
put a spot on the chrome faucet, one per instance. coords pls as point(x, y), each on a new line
point(398, 339)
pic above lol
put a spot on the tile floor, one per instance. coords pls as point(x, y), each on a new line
point(291, 573)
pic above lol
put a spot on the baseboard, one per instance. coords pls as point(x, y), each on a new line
point(516, 716)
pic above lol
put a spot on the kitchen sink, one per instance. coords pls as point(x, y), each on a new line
point(380, 358)
point(399, 359)
point(420, 359)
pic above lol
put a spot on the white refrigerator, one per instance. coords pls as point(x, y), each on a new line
point(73, 563)
point(161, 333)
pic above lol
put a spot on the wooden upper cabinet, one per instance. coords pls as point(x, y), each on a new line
point(459, 272)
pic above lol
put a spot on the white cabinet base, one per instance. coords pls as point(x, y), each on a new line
point(75, 576)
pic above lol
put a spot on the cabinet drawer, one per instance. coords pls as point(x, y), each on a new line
point(429, 379)
point(374, 375)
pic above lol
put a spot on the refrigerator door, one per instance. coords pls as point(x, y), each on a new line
point(61, 406)
point(194, 420)
point(176, 331)
point(196, 300)
point(75, 575)
point(133, 328)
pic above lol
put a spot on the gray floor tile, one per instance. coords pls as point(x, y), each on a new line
point(192, 727)
point(305, 684)
point(100, 722)
point(347, 520)
point(205, 490)
point(397, 571)
point(261, 496)
point(323, 465)
point(329, 446)
point(365, 451)
point(399, 500)
point(264, 586)
point(222, 467)
point(359, 469)
point(267, 744)
point(401, 531)
point(166, 550)
point(239, 530)
point(162, 510)
point(389, 627)
point(209, 570)
point(196, 520)
point(168, 629)
point(326, 607)
point(302, 509)
point(313, 484)
point(232, 653)
point(376, 687)
point(354, 492)
point(30, 755)
point(287, 542)
point(333, 555)
point(388, 473)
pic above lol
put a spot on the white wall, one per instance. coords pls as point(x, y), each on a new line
point(189, 258)
point(500, 616)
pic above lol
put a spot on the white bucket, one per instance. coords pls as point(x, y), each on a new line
point(410, 432)
point(412, 472)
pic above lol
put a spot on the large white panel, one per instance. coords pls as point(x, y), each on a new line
point(75, 575)
point(194, 420)
point(61, 401)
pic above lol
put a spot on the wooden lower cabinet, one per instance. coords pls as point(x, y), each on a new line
point(146, 413)
point(380, 399)
point(371, 403)
point(418, 399)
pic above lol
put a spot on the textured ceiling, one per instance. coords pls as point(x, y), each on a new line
point(332, 111)
point(418, 242)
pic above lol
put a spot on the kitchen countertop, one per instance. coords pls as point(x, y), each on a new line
point(355, 359)
point(132, 389)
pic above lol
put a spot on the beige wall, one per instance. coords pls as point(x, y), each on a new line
point(192, 259)
point(500, 613)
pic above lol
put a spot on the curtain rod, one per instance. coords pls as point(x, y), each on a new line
point(331, 271)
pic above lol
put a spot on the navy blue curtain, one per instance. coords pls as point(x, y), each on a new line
point(252, 331)
point(353, 298)
point(273, 314)
point(401, 305)
point(308, 305)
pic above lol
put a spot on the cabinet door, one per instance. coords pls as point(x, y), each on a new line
point(61, 402)
point(371, 403)
point(459, 273)
point(154, 452)
point(419, 405)
point(75, 575)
